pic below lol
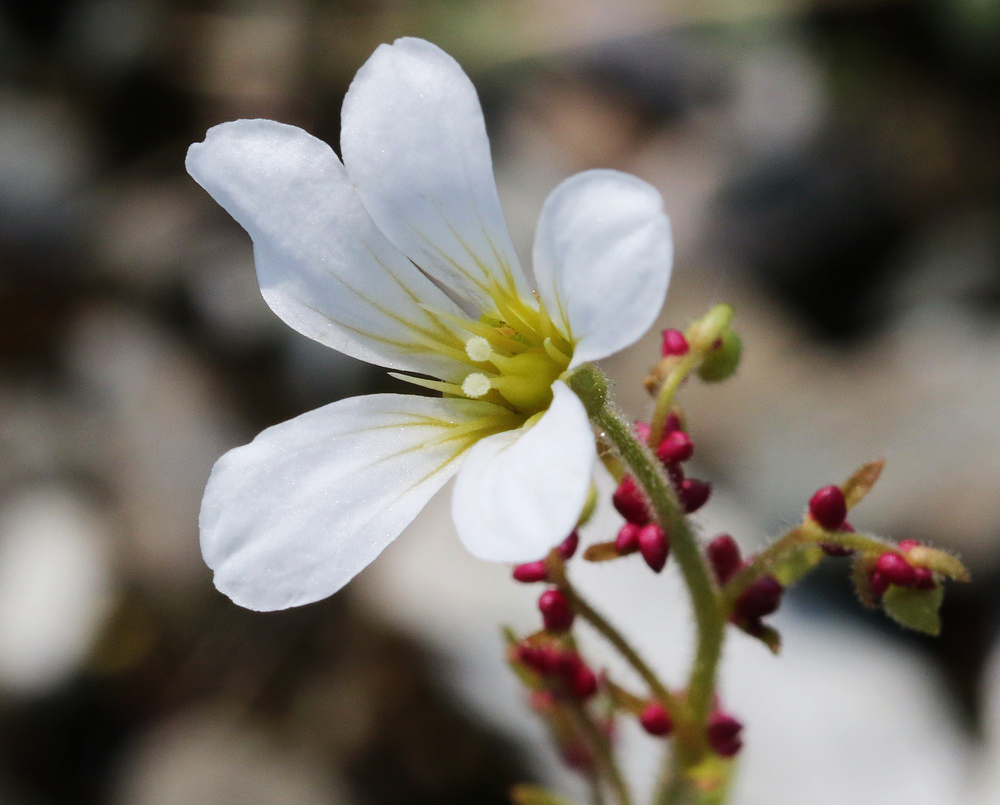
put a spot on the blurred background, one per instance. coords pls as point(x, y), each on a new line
point(831, 168)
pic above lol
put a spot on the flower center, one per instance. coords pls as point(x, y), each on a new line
point(517, 354)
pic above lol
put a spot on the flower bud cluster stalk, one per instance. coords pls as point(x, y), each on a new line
point(654, 497)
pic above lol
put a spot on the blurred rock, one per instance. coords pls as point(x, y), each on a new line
point(215, 757)
point(56, 583)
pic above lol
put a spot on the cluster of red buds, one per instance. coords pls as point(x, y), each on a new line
point(722, 732)
point(561, 670)
point(640, 533)
point(892, 567)
point(761, 598)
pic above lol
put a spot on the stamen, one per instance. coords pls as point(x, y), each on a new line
point(434, 385)
point(478, 349)
point(555, 353)
point(476, 385)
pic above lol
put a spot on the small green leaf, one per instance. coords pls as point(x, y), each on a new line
point(916, 609)
point(535, 795)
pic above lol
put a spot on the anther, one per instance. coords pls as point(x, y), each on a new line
point(478, 349)
point(476, 385)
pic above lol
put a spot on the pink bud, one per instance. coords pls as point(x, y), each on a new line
point(676, 446)
point(629, 502)
point(878, 582)
point(671, 423)
point(724, 734)
point(641, 430)
point(693, 494)
point(828, 507)
point(579, 679)
point(655, 719)
point(724, 556)
point(759, 599)
point(896, 570)
point(925, 579)
point(654, 546)
point(627, 540)
point(569, 545)
point(674, 343)
point(531, 572)
point(907, 545)
point(557, 614)
point(543, 660)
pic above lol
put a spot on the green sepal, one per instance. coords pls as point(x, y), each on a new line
point(601, 552)
point(861, 482)
point(860, 569)
point(796, 563)
point(535, 795)
point(720, 363)
point(915, 609)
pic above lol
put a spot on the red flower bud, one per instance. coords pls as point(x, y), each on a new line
point(641, 431)
point(543, 660)
point(907, 545)
point(878, 582)
point(531, 572)
point(693, 494)
point(557, 614)
point(671, 423)
point(627, 540)
point(724, 734)
point(579, 679)
point(629, 502)
point(676, 446)
point(674, 343)
point(925, 579)
point(656, 720)
point(828, 507)
point(569, 545)
point(654, 546)
point(896, 570)
point(759, 599)
point(724, 556)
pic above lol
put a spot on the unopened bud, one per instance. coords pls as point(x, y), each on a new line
point(759, 599)
point(579, 679)
point(828, 507)
point(924, 579)
point(531, 572)
point(724, 734)
point(693, 494)
point(674, 343)
point(627, 540)
point(724, 556)
point(656, 720)
point(654, 546)
point(907, 545)
point(721, 362)
point(629, 502)
point(896, 570)
point(676, 446)
point(878, 583)
point(557, 614)
point(569, 545)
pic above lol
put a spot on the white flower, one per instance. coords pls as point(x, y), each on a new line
point(355, 255)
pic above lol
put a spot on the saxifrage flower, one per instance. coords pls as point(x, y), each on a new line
point(400, 256)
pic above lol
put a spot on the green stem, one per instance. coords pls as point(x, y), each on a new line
point(602, 626)
point(590, 385)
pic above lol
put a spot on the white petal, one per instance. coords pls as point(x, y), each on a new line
point(602, 259)
point(293, 516)
point(415, 144)
point(521, 492)
point(323, 266)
